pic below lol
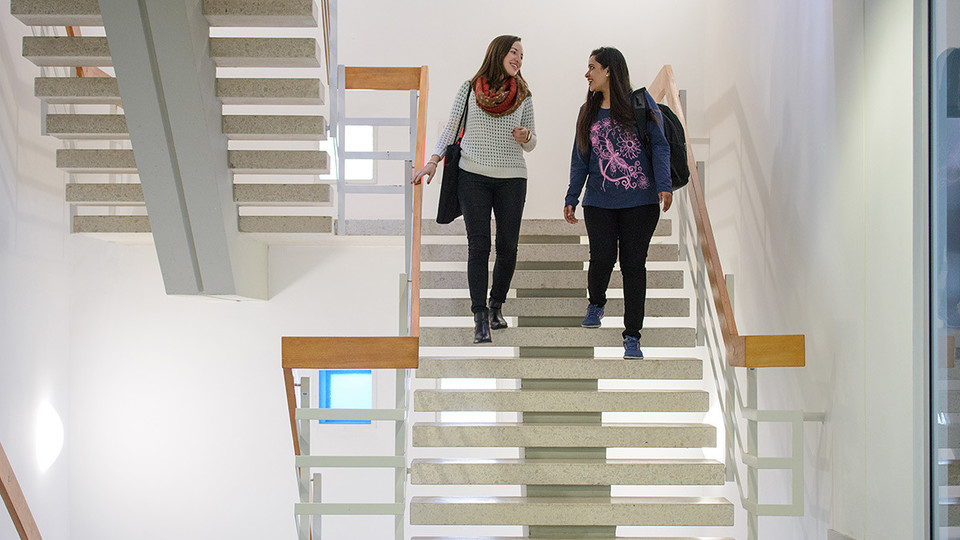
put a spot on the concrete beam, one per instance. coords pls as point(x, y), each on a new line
point(167, 82)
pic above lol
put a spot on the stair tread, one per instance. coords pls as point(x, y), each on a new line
point(589, 472)
point(264, 52)
point(260, 194)
point(571, 538)
point(526, 400)
point(69, 51)
point(540, 252)
point(531, 227)
point(261, 13)
point(558, 337)
point(564, 435)
point(551, 307)
point(560, 368)
point(556, 279)
point(274, 127)
point(57, 12)
point(100, 90)
point(282, 91)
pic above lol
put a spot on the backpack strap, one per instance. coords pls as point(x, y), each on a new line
point(638, 100)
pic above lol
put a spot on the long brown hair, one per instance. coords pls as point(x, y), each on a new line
point(492, 67)
point(621, 110)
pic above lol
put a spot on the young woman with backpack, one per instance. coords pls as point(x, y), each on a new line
point(627, 179)
point(493, 173)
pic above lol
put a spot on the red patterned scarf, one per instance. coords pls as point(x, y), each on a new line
point(500, 101)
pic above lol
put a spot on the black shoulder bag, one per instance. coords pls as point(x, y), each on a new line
point(449, 206)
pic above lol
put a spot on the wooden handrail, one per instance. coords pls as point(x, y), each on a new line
point(15, 502)
point(325, 9)
point(418, 202)
point(742, 351)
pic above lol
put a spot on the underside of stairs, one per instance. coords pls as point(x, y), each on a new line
point(548, 432)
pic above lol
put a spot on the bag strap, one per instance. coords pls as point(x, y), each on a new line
point(462, 126)
point(638, 99)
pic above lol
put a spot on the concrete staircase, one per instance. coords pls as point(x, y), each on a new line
point(579, 442)
point(86, 113)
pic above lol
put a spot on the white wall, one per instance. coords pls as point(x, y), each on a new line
point(34, 280)
point(809, 183)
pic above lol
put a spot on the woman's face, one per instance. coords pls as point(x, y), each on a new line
point(598, 77)
point(514, 59)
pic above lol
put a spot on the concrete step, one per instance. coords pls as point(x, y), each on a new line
point(568, 435)
point(561, 400)
point(57, 12)
point(259, 13)
point(286, 224)
point(244, 194)
point(88, 126)
point(265, 52)
point(531, 227)
point(240, 161)
point(236, 91)
point(581, 472)
point(97, 161)
point(68, 90)
point(244, 91)
point(559, 337)
point(110, 224)
point(282, 194)
point(562, 368)
point(570, 538)
point(539, 252)
point(275, 127)
point(67, 51)
point(279, 161)
point(246, 224)
point(550, 279)
point(372, 227)
point(553, 307)
point(246, 13)
point(572, 511)
point(104, 194)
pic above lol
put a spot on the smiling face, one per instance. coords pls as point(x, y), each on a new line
point(514, 59)
point(598, 77)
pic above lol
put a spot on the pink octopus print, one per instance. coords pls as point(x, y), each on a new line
point(612, 144)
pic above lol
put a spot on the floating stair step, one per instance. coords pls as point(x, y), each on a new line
point(282, 194)
point(551, 279)
point(572, 435)
point(111, 224)
point(279, 161)
point(580, 472)
point(559, 337)
point(258, 13)
point(569, 538)
point(558, 511)
point(348, 509)
point(561, 400)
point(540, 252)
point(57, 12)
point(275, 127)
point(530, 227)
point(87, 126)
point(97, 161)
point(286, 224)
point(264, 52)
point(553, 307)
point(67, 90)
point(561, 368)
point(372, 227)
point(105, 194)
point(270, 91)
point(67, 51)
point(364, 462)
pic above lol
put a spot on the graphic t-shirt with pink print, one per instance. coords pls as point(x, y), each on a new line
point(617, 169)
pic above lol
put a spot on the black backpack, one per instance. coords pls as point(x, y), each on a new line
point(672, 129)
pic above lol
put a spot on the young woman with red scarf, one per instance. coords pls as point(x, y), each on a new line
point(493, 173)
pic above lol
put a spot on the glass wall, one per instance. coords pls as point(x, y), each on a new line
point(945, 264)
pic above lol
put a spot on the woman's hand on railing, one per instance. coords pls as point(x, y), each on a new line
point(569, 215)
point(427, 171)
point(666, 199)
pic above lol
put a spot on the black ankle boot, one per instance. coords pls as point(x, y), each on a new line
point(481, 328)
point(497, 322)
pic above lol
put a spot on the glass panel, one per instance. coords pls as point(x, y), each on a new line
point(945, 265)
point(346, 389)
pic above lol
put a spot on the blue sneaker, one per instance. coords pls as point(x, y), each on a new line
point(592, 319)
point(631, 347)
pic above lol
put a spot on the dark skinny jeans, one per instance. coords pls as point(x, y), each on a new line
point(633, 229)
point(505, 196)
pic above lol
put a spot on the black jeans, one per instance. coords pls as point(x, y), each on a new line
point(632, 229)
point(505, 196)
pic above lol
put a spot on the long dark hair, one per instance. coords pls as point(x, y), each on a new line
point(621, 110)
point(492, 67)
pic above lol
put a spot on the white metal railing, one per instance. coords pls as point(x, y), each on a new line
point(737, 392)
